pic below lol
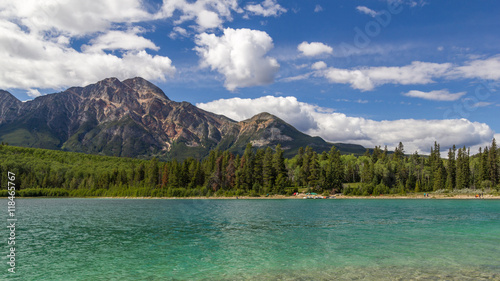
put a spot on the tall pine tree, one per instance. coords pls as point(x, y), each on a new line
point(451, 170)
point(493, 163)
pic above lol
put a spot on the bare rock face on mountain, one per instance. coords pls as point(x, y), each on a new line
point(134, 118)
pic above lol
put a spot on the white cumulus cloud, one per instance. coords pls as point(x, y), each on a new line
point(319, 65)
point(267, 8)
point(239, 55)
point(438, 95)
point(367, 78)
point(72, 17)
point(314, 49)
point(120, 40)
point(30, 60)
point(33, 93)
point(36, 48)
point(208, 19)
point(338, 127)
point(488, 69)
point(207, 14)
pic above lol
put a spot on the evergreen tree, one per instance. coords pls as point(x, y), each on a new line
point(485, 167)
point(300, 157)
point(139, 174)
point(384, 154)
point(451, 175)
point(267, 169)
point(493, 163)
point(247, 165)
point(305, 168)
point(174, 180)
point(279, 161)
point(164, 176)
point(377, 153)
point(230, 173)
point(437, 166)
point(280, 184)
point(314, 171)
point(438, 178)
point(197, 176)
point(153, 172)
point(258, 168)
point(463, 170)
point(366, 169)
point(279, 168)
point(417, 187)
point(324, 156)
point(399, 152)
point(336, 169)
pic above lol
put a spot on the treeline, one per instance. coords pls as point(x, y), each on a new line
point(379, 173)
point(256, 172)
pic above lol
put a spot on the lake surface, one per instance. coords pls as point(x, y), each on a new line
point(120, 239)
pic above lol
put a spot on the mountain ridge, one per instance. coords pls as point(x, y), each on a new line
point(135, 118)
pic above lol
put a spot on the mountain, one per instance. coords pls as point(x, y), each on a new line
point(134, 118)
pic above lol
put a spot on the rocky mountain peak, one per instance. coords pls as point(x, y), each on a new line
point(107, 89)
point(9, 106)
point(263, 116)
point(7, 97)
point(109, 81)
point(114, 90)
point(145, 88)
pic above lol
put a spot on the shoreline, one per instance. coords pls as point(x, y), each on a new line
point(283, 197)
point(441, 196)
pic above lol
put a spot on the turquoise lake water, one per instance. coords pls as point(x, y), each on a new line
point(120, 239)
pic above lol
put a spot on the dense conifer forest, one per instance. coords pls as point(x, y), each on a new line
point(257, 172)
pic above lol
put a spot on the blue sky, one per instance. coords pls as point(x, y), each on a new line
point(368, 72)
